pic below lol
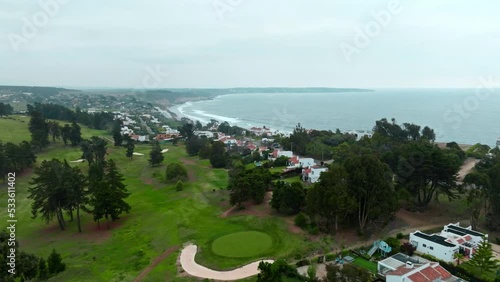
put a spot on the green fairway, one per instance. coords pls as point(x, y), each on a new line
point(14, 129)
point(242, 244)
point(160, 218)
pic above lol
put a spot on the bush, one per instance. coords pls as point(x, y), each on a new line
point(301, 221)
point(313, 230)
point(394, 243)
point(179, 186)
point(175, 171)
point(408, 249)
point(400, 236)
point(303, 262)
point(55, 264)
point(320, 259)
point(330, 257)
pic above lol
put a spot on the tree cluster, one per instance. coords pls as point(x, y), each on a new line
point(5, 109)
point(15, 157)
point(27, 266)
point(58, 187)
point(288, 198)
point(358, 190)
point(248, 184)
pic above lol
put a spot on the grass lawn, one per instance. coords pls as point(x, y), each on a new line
point(368, 265)
point(160, 218)
point(242, 244)
point(14, 129)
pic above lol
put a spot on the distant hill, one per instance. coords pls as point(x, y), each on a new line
point(39, 90)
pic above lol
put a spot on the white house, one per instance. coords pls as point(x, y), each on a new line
point(278, 153)
point(313, 173)
point(434, 245)
point(296, 162)
point(467, 239)
point(208, 134)
point(403, 268)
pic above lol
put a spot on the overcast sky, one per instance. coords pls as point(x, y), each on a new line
point(245, 43)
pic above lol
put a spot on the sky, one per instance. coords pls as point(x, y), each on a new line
point(249, 43)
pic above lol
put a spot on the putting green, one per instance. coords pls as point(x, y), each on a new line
point(242, 244)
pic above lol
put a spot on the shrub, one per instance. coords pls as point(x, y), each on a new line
point(408, 249)
point(330, 257)
point(313, 230)
point(303, 262)
point(179, 186)
point(320, 259)
point(175, 171)
point(400, 236)
point(394, 243)
point(301, 220)
point(55, 264)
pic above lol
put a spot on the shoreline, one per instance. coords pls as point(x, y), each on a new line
point(178, 115)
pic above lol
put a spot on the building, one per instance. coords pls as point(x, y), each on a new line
point(296, 162)
point(208, 134)
point(467, 239)
point(452, 239)
point(434, 245)
point(278, 153)
point(403, 268)
point(313, 173)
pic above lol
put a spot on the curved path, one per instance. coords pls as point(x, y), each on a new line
point(192, 268)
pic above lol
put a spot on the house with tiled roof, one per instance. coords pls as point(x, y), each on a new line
point(313, 173)
point(403, 268)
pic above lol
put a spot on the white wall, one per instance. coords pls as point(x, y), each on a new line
point(434, 249)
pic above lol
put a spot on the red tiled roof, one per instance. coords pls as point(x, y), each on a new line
point(275, 153)
point(294, 160)
point(468, 238)
point(430, 273)
point(307, 170)
point(402, 270)
point(444, 273)
point(418, 277)
point(460, 241)
point(251, 146)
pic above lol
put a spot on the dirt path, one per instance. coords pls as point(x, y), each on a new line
point(194, 269)
point(155, 262)
point(467, 166)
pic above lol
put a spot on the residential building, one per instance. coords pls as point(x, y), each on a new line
point(278, 153)
point(434, 245)
point(313, 173)
point(467, 239)
point(403, 268)
point(452, 239)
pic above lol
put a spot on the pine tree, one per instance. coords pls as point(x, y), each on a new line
point(48, 192)
point(117, 134)
point(155, 156)
point(55, 264)
point(130, 147)
point(39, 129)
point(75, 134)
point(483, 258)
point(108, 196)
point(42, 270)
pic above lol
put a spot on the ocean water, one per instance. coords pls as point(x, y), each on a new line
point(466, 116)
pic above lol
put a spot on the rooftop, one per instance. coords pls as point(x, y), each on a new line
point(463, 231)
point(434, 238)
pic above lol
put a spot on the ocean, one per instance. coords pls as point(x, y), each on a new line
point(466, 116)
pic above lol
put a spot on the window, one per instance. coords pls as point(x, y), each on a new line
point(432, 248)
point(424, 245)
